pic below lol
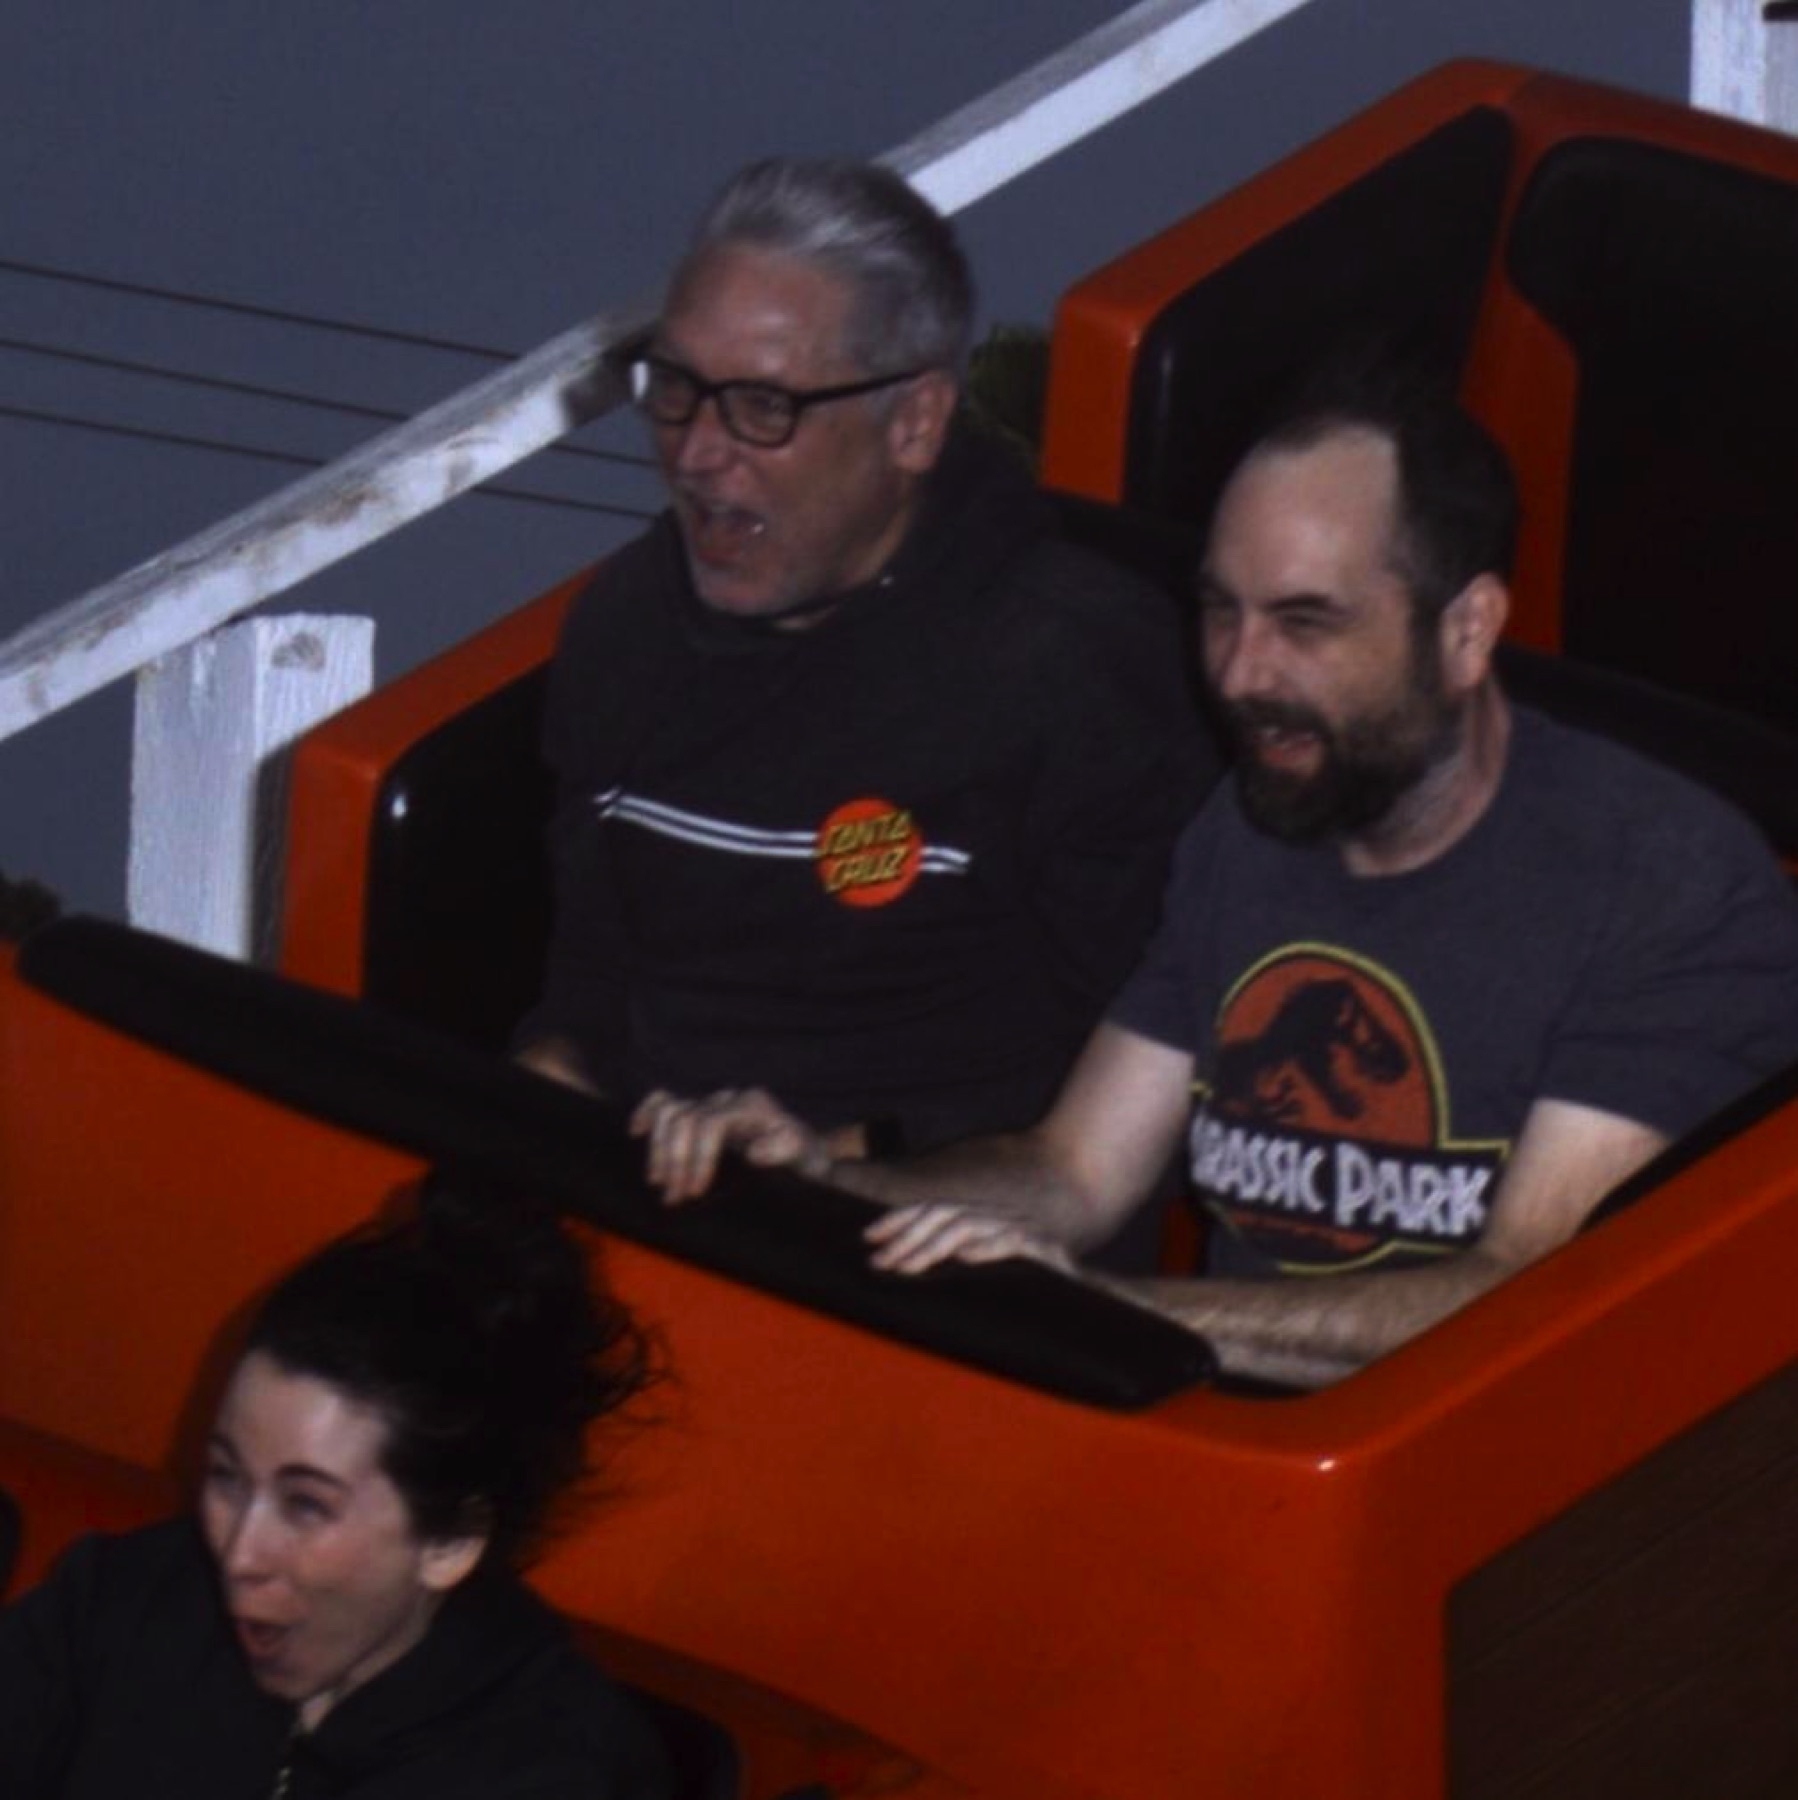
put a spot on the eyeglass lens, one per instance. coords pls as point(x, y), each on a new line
point(752, 410)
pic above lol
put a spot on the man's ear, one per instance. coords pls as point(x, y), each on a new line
point(1471, 626)
point(919, 425)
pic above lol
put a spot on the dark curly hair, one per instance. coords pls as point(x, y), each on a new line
point(474, 1329)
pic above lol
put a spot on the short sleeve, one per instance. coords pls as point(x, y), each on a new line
point(1691, 997)
point(1171, 997)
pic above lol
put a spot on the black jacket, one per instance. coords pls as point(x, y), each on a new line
point(891, 866)
point(119, 1676)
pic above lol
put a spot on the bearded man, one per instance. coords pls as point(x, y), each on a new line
point(1434, 973)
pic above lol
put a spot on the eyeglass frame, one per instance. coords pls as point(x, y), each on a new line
point(639, 366)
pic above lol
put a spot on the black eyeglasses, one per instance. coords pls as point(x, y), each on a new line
point(753, 412)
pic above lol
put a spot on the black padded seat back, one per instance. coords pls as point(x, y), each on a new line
point(702, 1756)
point(459, 899)
point(1674, 280)
point(1404, 252)
point(1164, 550)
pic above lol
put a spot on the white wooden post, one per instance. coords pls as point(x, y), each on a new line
point(1744, 64)
point(208, 778)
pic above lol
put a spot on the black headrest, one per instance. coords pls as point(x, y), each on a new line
point(1403, 250)
point(1673, 279)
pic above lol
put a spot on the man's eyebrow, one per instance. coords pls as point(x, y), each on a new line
point(1307, 601)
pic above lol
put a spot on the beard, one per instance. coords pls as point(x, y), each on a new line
point(1364, 766)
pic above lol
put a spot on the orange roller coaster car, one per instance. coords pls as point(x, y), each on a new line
point(991, 1534)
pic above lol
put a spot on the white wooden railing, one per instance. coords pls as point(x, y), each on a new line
point(212, 707)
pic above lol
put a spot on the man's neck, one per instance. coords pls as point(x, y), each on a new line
point(876, 565)
point(1447, 803)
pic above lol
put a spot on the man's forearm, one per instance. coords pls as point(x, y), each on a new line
point(1010, 1177)
point(1315, 1330)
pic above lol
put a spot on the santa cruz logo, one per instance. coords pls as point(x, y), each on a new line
point(869, 852)
point(1323, 1138)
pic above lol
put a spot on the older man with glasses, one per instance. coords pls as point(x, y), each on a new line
point(868, 782)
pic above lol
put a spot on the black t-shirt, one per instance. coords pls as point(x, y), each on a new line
point(1366, 1049)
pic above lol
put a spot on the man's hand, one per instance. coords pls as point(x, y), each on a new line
point(915, 1238)
point(687, 1137)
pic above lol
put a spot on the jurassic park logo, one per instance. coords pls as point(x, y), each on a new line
point(1323, 1139)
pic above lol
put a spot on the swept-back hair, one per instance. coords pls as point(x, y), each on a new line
point(474, 1330)
point(914, 303)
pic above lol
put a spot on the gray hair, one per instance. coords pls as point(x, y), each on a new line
point(869, 227)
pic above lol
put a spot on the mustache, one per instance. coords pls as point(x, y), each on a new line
point(1243, 718)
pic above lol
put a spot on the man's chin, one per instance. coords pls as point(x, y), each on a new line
point(737, 592)
point(740, 596)
point(1294, 812)
point(1334, 804)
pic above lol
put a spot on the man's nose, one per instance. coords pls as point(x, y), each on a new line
point(703, 443)
point(1238, 660)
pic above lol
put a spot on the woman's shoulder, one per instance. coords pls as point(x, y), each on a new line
point(520, 1713)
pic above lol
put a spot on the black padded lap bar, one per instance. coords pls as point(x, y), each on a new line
point(388, 1078)
point(1404, 251)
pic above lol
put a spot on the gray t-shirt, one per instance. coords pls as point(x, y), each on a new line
point(1366, 1049)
